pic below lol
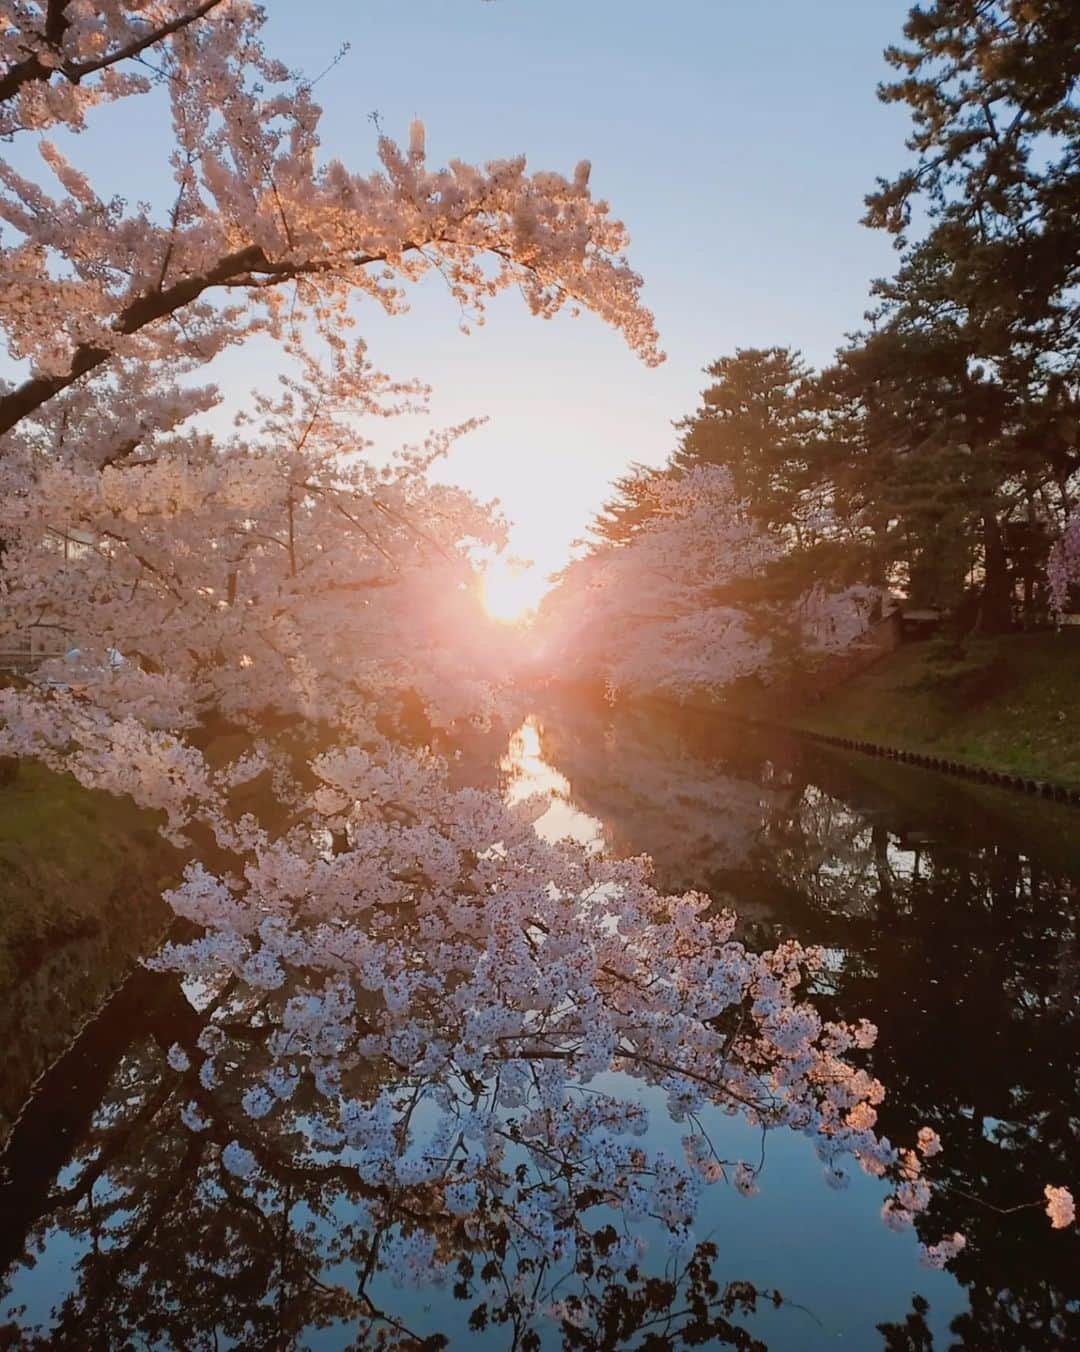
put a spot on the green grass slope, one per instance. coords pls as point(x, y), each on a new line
point(81, 876)
point(70, 860)
point(1009, 703)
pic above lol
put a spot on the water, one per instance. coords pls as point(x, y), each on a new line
point(949, 914)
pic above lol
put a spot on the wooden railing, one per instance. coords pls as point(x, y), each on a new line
point(24, 652)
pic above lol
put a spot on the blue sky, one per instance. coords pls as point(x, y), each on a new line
point(736, 139)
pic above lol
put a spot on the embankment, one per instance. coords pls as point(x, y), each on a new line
point(1008, 705)
point(81, 876)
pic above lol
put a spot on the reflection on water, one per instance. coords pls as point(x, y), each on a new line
point(950, 915)
point(525, 773)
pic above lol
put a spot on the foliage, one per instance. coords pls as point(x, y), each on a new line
point(686, 603)
point(757, 421)
point(996, 142)
point(939, 452)
point(398, 980)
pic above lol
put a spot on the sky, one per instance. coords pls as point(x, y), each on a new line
point(735, 139)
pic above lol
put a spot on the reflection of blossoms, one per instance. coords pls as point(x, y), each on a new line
point(461, 1198)
point(192, 1117)
point(258, 1101)
point(721, 817)
point(409, 1259)
point(452, 990)
point(937, 1255)
point(238, 1161)
point(1060, 1206)
point(177, 1058)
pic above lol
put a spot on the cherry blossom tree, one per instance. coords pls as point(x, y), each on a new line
point(1063, 567)
point(677, 608)
point(832, 620)
point(110, 313)
point(662, 611)
point(62, 57)
point(402, 973)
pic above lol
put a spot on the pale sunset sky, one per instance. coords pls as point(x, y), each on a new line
point(735, 139)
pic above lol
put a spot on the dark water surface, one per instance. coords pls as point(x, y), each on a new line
point(950, 916)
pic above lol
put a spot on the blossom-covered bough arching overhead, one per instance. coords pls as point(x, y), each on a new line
point(434, 987)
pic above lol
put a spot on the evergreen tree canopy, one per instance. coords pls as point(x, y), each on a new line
point(757, 420)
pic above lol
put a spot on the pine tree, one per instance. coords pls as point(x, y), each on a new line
point(757, 419)
point(993, 92)
point(631, 506)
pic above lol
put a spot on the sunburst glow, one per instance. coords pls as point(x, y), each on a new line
point(512, 590)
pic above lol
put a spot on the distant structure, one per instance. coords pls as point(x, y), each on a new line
point(916, 623)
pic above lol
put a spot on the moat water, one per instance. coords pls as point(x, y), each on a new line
point(950, 917)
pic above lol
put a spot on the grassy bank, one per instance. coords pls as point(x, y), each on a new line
point(69, 860)
point(81, 876)
point(1010, 704)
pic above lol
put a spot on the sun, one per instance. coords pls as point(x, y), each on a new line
point(512, 590)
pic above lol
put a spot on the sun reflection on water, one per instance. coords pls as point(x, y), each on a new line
point(525, 772)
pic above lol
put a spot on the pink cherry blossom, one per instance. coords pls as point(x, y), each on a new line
point(1060, 1206)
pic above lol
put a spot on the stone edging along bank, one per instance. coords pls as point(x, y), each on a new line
point(1060, 793)
point(1040, 788)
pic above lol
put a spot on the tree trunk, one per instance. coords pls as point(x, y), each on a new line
point(995, 615)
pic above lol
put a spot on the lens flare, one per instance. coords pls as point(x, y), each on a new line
point(512, 590)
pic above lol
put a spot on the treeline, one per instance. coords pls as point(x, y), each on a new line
point(939, 453)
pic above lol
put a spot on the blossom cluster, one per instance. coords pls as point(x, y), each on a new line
point(671, 610)
point(1063, 566)
point(448, 987)
point(1060, 1207)
point(406, 979)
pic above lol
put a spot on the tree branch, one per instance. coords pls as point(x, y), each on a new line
point(28, 397)
point(57, 23)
